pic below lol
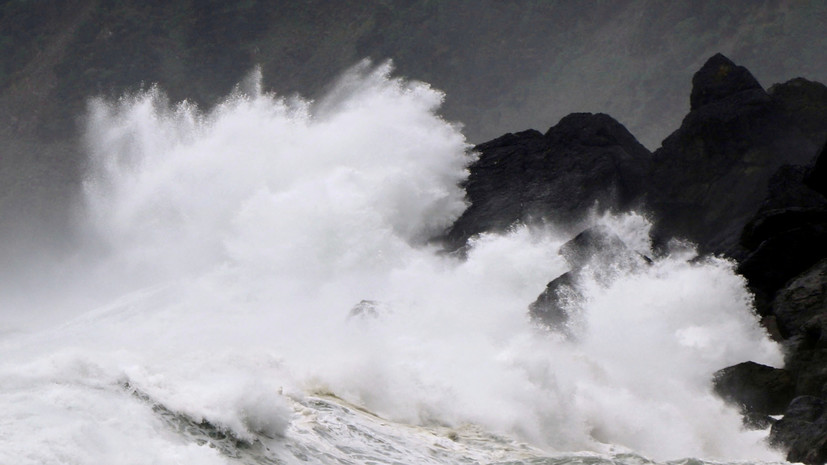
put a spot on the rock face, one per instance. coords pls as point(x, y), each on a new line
point(801, 300)
point(757, 389)
point(585, 161)
point(745, 176)
point(786, 265)
point(709, 177)
point(555, 305)
point(720, 79)
point(803, 430)
point(596, 251)
point(817, 177)
point(786, 236)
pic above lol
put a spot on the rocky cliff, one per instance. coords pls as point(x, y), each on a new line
point(743, 176)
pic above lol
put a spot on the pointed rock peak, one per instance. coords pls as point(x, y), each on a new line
point(718, 79)
point(591, 129)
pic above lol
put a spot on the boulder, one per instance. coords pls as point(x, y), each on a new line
point(586, 161)
point(803, 431)
point(755, 388)
point(596, 251)
point(554, 306)
point(596, 244)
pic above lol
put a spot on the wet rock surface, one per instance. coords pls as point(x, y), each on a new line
point(585, 162)
point(744, 176)
point(757, 389)
point(803, 430)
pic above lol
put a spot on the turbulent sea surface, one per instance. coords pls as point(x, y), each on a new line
point(258, 286)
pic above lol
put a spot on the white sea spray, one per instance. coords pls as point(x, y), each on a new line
point(240, 239)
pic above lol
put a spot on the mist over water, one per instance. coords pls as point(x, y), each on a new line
point(274, 249)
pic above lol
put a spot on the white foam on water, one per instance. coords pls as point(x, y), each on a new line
point(240, 239)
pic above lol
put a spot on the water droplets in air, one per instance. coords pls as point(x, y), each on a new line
point(271, 249)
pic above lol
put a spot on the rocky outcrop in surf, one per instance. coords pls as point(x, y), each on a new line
point(742, 177)
point(587, 161)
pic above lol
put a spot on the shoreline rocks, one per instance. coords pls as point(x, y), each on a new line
point(745, 176)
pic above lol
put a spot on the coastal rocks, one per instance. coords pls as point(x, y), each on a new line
point(786, 267)
point(718, 80)
point(787, 235)
point(710, 176)
point(801, 300)
point(598, 252)
point(758, 389)
point(596, 244)
point(585, 161)
point(803, 430)
point(817, 177)
point(803, 103)
point(556, 304)
point(744, 176)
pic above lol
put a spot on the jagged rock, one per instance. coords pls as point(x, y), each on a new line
point(554, 305)
point(804, 103)
point(586, 160)
point(757, 389)
point(783, 256)
point(594, 243)
point(709, 177)
point(787, 188)
point(809, 367)
point(720, 79)
point(596, 250)
point(801, 300)
point(771, 223)
point(803, 431)
point(786, 237)
point(789, 204)
point(807, 357)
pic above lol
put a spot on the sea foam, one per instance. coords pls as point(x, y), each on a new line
point(228, 247)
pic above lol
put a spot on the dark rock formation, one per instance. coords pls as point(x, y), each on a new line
point(817, 177)
point(718, 80)
point(585, 161)
point(786, 265)
point(710, 176)
point(801, 300)
point(803, 431)
point(596, 251)
point(596, 244)
point(787, 235)
point(757, 389)
point(742, 177)
point(555, 304)
point(804, 104)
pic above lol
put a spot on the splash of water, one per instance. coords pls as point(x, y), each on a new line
point(241, 238)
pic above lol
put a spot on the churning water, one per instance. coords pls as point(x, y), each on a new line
point(267, 294)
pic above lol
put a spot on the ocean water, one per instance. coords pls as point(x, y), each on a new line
point(258, 286)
